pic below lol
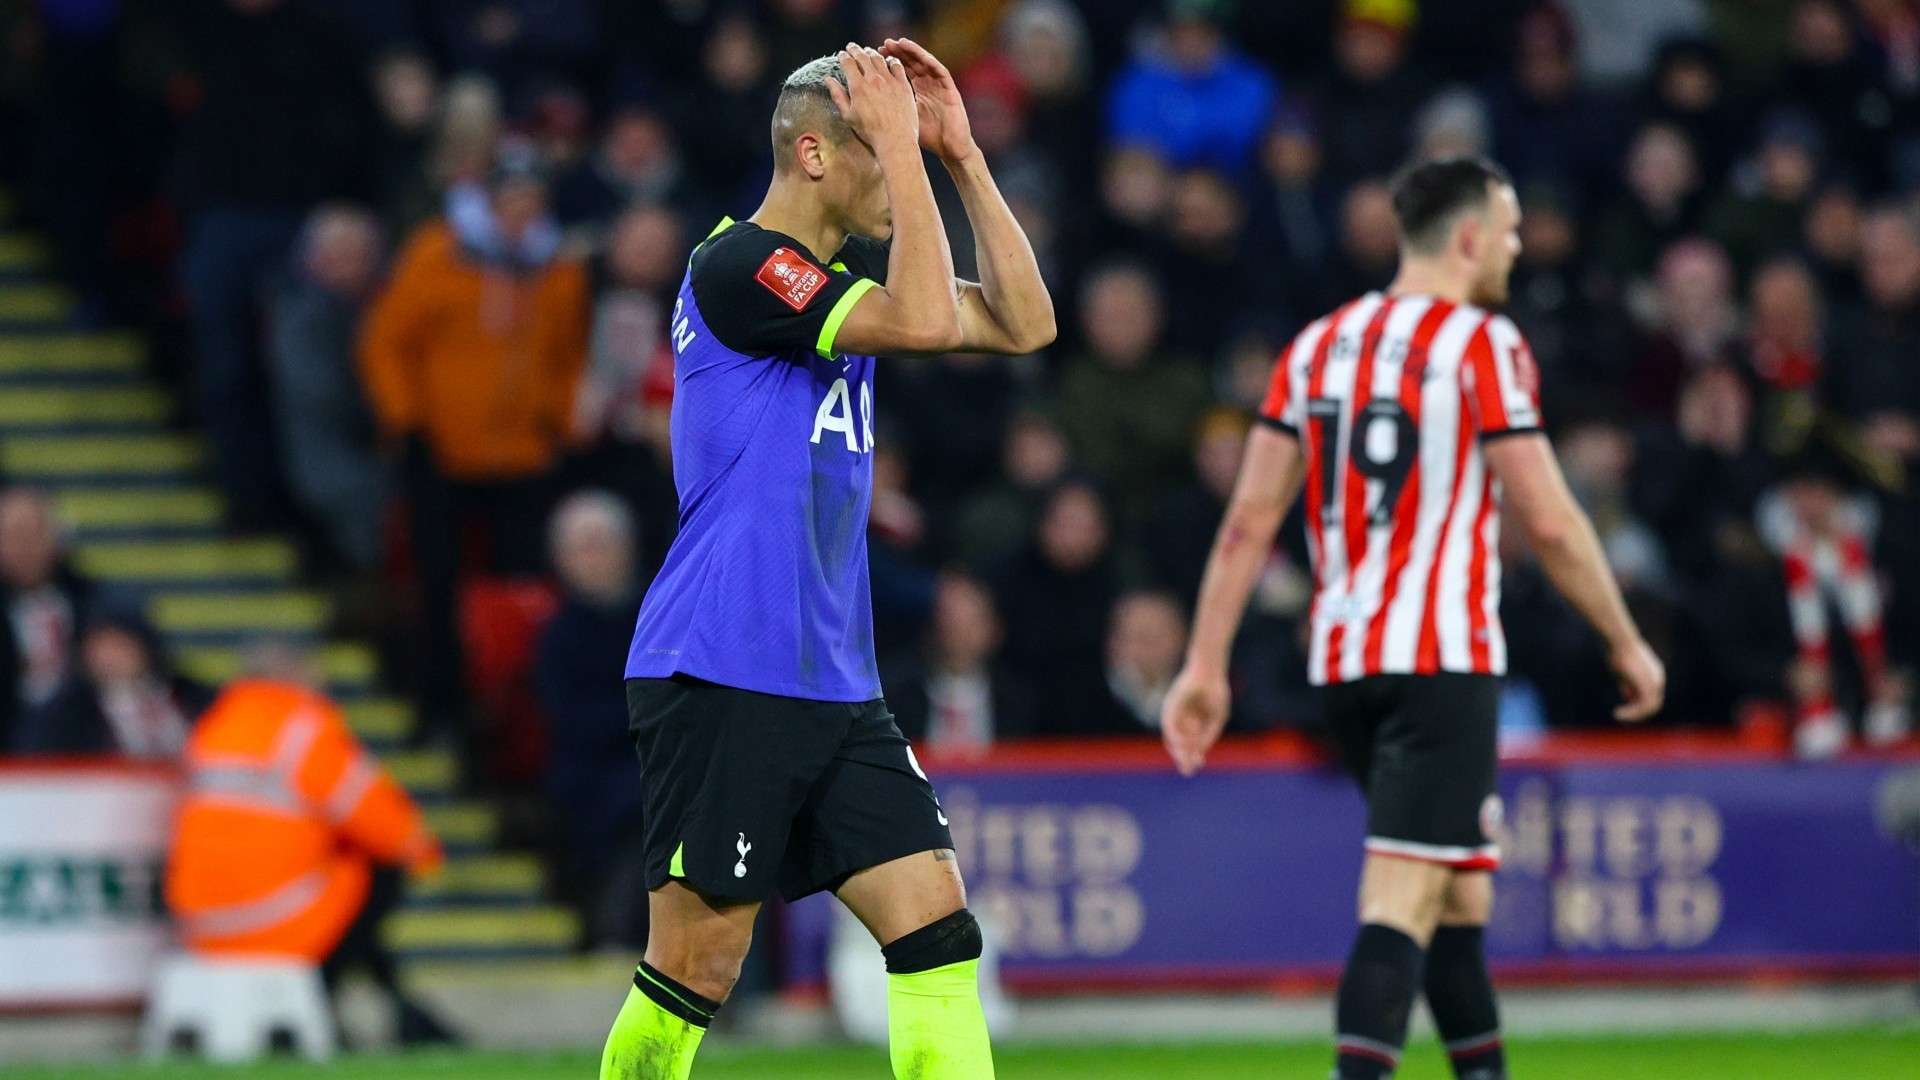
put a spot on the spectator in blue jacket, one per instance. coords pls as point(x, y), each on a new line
point(1197, 102)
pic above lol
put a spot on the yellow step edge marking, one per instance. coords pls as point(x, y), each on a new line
point(70, 352)
point(422, 770)
point(67, 405)
point(71, 455)
point(27, 303)
point(100, 508)
point(19, 251)
point(271, 612)
point(349, 664)
point(463, 822)
point(380, 718)
point(188, 560)
point(481, 928)
point(499, 875)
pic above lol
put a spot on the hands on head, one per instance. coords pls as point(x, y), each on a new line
point(877, 100)
point(900, 93)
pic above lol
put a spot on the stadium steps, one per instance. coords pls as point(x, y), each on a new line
point(81, 418)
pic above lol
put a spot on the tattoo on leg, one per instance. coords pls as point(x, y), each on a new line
point(944, 855)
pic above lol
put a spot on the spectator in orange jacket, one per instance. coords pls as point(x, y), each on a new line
point(471, 359)
point(291, 838)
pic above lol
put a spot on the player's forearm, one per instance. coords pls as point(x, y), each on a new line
point(1240, 550)
point(920, 267)
point(1010, 280)
point(1571, 554)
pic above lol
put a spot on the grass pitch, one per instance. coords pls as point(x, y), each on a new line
point(1865, 1054)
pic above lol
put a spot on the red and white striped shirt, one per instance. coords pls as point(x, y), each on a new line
point(1391, 396)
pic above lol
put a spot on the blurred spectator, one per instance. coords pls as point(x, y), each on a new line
point(1872, 378)
point(900, 571)
point(1575, 335)
point(1179, 535)
point(46, 602)
point(1136, 187)
point(800, 30)
point(1618, 37)
point(622, 409)
point(1045, 42)
point(328, 456)
point(1823, 532)
point(1694, 482)
point(408, 93)
point(996, 523)
point(1209, 278)
point(954, 412)
point(471, 358)
point(282, 119)
point(524, 44)
point(1786, 351)
point(1294, 206)
point(1830, 73)
point(1127, 407)
point(723, 127)
point(637, 162)
point(1363, 107)
point(1055, 598)
point(1145, 645)
point(589, 779)
point(468, 135)
point(1198, 102)
point(1453, 123)
point(1761, 217)
point(1695, 325)
point(291, 841)
point(1548, 128)
point(1830, 236)
point(953, 695)
point(125, 698)
point(1660, 205)
point(1368, 253)
point(1687, 90)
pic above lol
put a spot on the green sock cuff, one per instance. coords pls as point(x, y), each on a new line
point(671, 995)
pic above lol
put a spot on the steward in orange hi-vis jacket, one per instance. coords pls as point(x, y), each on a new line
point(285, 817)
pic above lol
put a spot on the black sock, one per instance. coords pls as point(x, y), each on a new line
point(1376, 998)
point(1460, 994)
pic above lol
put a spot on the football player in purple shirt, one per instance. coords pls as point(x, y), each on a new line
point(768, 757)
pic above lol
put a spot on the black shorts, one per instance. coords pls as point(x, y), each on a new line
point(747, 792)
point(1424, 749)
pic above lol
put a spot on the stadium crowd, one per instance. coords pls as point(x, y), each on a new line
point(422, 256)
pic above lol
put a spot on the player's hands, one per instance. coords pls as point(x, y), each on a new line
point(1193, 716)
point(1642, 678)
point(944, 127)
point(877, 100)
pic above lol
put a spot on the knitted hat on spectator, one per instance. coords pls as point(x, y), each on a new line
point(1397, 16)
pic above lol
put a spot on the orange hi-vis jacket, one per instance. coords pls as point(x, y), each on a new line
point(284, 816)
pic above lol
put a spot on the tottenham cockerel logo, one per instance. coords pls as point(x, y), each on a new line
point(740, 868)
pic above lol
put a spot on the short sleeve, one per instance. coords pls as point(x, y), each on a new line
point(1501, 381)
point(763, 296)
point(1281, 409)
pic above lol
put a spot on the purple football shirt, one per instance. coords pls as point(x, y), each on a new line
point(765, 587)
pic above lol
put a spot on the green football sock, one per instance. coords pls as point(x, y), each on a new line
point(935, 1027)
point(658, 1030)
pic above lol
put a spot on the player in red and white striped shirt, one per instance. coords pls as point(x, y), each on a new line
point(1404, 419)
